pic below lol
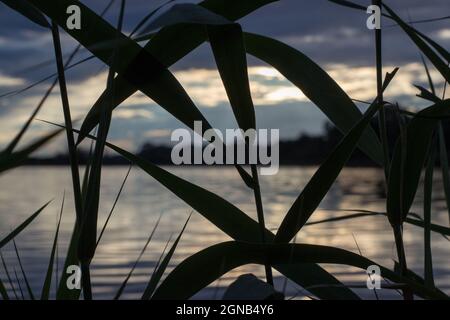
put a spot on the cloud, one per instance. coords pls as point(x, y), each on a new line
point(333, 36)
point(137, 117)
point(444, 34)
point(127, 113)
point(8, 81)
point(157, 133)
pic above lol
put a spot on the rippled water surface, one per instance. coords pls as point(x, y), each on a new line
point(25, 189)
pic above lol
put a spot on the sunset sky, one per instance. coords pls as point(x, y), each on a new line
point(333, 36)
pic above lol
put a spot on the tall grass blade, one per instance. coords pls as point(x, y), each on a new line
point(349, 4)
point(427, 200)
point(416, 222)
point(18, 284)
point(426, 50)
point(381, 112)
point(406, 170)
point(12, 160)
point(148, 16)
point(316, 189)
point(228, 46)
point(114, 205)
point(73, 157)
point(124, 283)
point(22, 226)
point(88, 231)
point(8, 276)
point(427, 95)
point(157, 275)
point(445, 167)
point(170, 45)
point(261, 222)
point(233, 222)
point(317, 85)
point(139, 67)
point(48, 277)
point(443, 52)
point(72, 259)
point(30, 291)
point(15, 141)
point(185, 280)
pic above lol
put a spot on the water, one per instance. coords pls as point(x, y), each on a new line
point(25, 189)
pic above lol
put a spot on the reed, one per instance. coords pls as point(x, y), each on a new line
point(133, 68)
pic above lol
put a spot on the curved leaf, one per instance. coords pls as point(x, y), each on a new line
point(322, 180)
point(185, 280)
point(317, 85)
point(404, 179)
point(48, 277)
point(228, 46)
point(22, 226)
point(413, 34)
point(15, 159)
point(188, 13)
point(236, 224)
point(170, 45)
point(159, 272)
point(137, 66)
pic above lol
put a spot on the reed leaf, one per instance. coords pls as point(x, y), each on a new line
point(228, 47)
point(427, 95)
point(170, 45)
point(427, 201)
point(24, 275)
point(45, 294)
point(88, 232)
point(18, 284)
point(114, 205)
point(317, 85)
point(441, 50)
point(236, 224)
point(445, 167)
point(124, 283)
point(138, 67)
point(8, 276)
point(159, 272)
point(426, 50)
point(22, 226)
point(316, 189)
point(405, 173)
point(185, 280)
point(10, 160)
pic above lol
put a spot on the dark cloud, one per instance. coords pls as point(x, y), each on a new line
point(328, 33)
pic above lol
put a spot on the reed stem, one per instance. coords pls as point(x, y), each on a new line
point(73, 157)
point(260, 213)
point(398, 234)
point(380, 99)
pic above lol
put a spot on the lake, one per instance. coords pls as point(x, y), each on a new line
point(25, 189)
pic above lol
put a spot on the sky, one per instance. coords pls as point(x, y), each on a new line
point(333, 36)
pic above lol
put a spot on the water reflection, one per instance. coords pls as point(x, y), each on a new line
point(143, 200)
